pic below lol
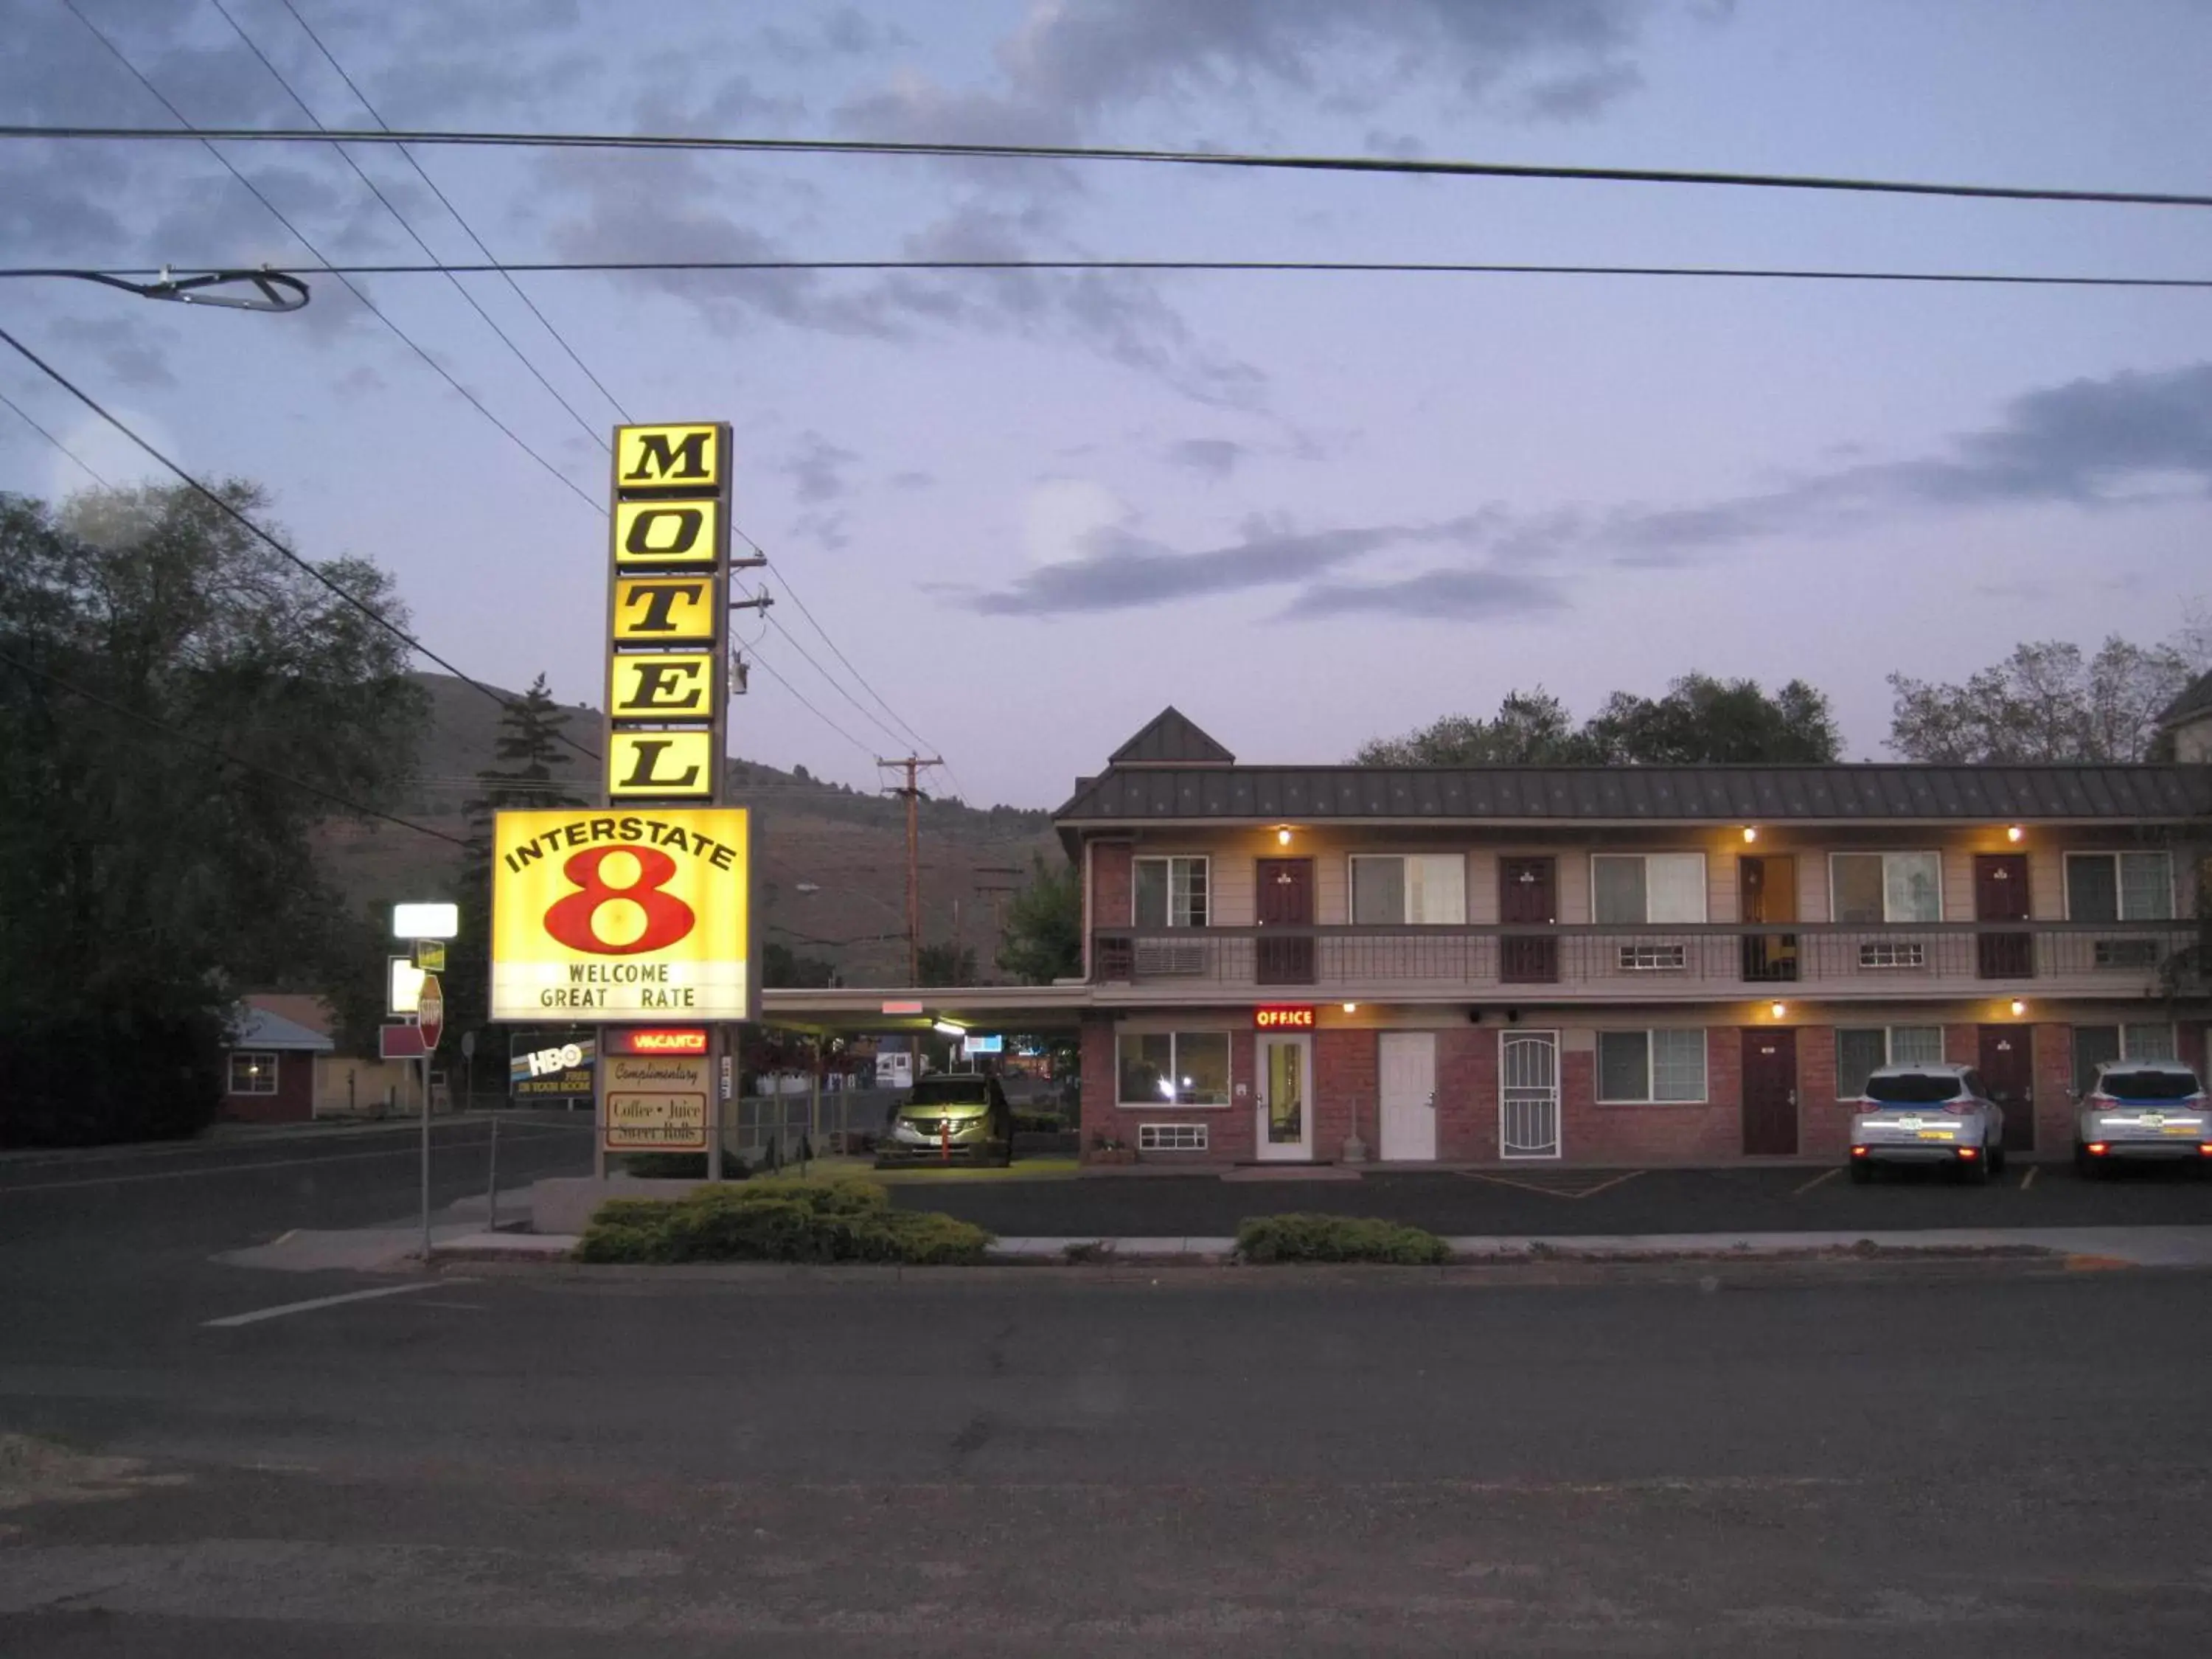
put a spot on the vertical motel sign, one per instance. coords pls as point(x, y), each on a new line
point(667, 620)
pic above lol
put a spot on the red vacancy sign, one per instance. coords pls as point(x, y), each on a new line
point(430, 1013)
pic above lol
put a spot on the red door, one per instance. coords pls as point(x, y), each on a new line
point(2001, 894)
point(2007, 1066)
point(1285, 900)
point(1770, 1091)
point(1528, 893)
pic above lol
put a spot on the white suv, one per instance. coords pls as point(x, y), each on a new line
point(2142, 1109)
point(1928, 1114)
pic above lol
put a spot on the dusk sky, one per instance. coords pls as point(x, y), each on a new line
point(1307, 509)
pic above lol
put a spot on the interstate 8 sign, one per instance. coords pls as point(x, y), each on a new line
point(623, 914)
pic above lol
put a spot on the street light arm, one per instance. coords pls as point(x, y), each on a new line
point(275, 290)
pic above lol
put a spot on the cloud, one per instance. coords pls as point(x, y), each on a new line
point(913, 480)
point(1447, 595)
point(1213, 459)
point(819, 468)
point(1069, 62)
point(1120, 570)
point(133, 351)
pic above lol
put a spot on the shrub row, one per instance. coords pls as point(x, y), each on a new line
point(1336, 1238)
point(843, 1219)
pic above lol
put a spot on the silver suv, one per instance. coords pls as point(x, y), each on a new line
point(1928, 1114)
point(2142, 1109)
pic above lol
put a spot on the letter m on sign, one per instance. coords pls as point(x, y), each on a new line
point(659, 457)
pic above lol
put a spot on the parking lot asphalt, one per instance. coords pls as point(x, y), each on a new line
point(1551, 1201)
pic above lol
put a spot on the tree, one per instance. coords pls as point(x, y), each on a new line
point(534, 768)
point(1705, 720)
point(2042, 703)
point(1699, 719)
point(1532, 728)
point(782, 967)
point(144, 881)
point(945, 963)
point(1041, 940)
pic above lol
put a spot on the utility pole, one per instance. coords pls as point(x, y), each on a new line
point(913, 766)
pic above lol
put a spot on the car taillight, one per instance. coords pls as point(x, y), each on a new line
point(1858, 1152)
point(2096, 1149)
point(2204, 1148)
point(1959, 1108)
point(1969, 1153)
point(2102, 1104)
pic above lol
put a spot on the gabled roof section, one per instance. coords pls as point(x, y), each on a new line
point(1131, 795)
point(260, 1028)
point(1171, 740)
point(2195, 699)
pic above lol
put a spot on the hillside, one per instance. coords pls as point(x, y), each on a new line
point(851, 846)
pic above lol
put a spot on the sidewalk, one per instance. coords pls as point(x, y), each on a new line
point(2128, 1247)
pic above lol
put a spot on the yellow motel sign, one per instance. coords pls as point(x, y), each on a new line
point(667, 619)
point(623, 915)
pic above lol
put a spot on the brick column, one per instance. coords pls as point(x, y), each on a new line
point(1824, 1123)
point(1467, 1095)
point(2054, 1075)
point(1346, 1087)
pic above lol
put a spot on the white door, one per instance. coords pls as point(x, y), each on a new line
point(1408, 1078)
point(1529, 1094)
point(1285, 1103)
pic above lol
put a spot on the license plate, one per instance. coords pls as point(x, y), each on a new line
point(1908, 1123)
point(1936, 1134)
point(2179, 1128)
point(2153, 1120)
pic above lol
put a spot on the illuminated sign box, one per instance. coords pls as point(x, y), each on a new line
point(635, 916)
point(1287, 1017)
point(658, 1040)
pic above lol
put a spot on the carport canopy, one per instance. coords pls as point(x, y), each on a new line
point(841, 1011)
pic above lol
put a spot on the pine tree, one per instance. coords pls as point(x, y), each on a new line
point(535, 767)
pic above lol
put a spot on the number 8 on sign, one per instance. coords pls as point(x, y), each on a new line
point(584, 920)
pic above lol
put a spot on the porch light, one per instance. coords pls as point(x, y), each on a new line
point(2019, 1007)
point(1779, 1010)
point(2014, 833)
point(1751, 832)
point(1351, 1007)
point(946, 1028)
point(1282, 837)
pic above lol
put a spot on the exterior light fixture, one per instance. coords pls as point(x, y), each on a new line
point(1751, 832)
point(946, 1028)
point(2014, 833)
point(1282, 837)
point(2019, 1007)
point(1351, 1007)
point(1779, 1010)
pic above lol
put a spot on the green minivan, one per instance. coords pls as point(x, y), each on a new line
point(951, 1117)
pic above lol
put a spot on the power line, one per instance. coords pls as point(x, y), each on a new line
point(255, 530)
point(55, 443)
point(445, 201)
point(316, 254)
point(763, 663)
point(429, 252)
point(1310, 267)
point(202, 744)
point(834, 684)
point(1388, 166)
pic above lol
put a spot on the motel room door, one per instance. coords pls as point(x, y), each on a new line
point(1284, 1132)
point(1285, 899)
point(1770, 1091)
point(1407, 1070)
point(2008, 1071)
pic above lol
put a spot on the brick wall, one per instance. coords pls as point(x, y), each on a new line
point(1672, 1134)
point(1824, 1123)
point(1230, 1129)
point(1347, 1087)
point(2054, 1075)
point(1962, 1045)
point(1113, 881)
point(1466, 1094)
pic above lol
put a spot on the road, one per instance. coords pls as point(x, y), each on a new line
point(1234, 1461)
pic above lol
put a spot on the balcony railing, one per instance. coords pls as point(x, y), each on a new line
point(1626, 963)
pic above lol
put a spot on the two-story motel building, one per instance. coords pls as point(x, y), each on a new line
point(1613, 965)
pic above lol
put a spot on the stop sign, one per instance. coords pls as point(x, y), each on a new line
point(430, 1011)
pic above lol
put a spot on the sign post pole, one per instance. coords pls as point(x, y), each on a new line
point(430, 1020)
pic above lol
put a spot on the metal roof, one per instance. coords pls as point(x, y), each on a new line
point(260, 1028)
point(1638, 794)
point(1171, 740)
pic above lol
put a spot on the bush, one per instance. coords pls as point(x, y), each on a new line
point(843, 1219)
point(1338, 1238)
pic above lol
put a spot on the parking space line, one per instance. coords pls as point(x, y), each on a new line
point(2027, 1180)
point(1824, 1175)
point(1552, 1192)
point(288, 1307)
point(1591, 1191)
